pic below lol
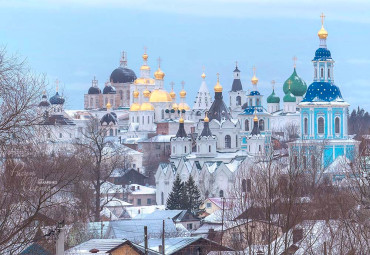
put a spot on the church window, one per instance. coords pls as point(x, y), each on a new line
point(244, 185)
point(315, 72)
point(304, 162)
point(238, 100)
point(148, 119)
point(320, 125)
point(250, 102)
point(106, 101)
point(173, 149)
point(261, 125)
point(162, 114)
point(221, 193)
point(91, 102)
point(249, 185)
point(121, 94)
point(313, 162)
point(162, 198)
point(142, 119)
point(337, 125)
point(257, 102)
point(111, 102)
point(305, 124)
point(110, 132)
point(185, 149)
point(329, 73)
point(295, 162)
point(227, 142)
point(322, 73)
point(198, 148)
point(137, 119)
point(209, 148)
point(246, 124)
point(259, 148)
point(97, 103)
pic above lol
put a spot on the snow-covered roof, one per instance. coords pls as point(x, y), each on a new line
point(108, 214)
point(163, 214)
point(141, 190)
point(114, 202)
point(339, 165)
point(137, 211)
point(171, 244)
point(103, 245)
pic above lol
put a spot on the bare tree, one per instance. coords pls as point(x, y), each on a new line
point(100, 156)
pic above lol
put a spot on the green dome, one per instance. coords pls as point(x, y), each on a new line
point(273, 98)
point(289, 98)
point(298, 87)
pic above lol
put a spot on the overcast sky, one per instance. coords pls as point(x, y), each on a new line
point(76, 40)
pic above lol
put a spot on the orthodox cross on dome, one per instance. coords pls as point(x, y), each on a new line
point(94, 82)
point(172, 83)
point(254, 70)
point(218, 77)
point(123, 61)
point(57, 84)
point(182, 84)
point(295, 61)
point(236, 64)
point(322, 16)
point(273, 84)
point(145, 48)
point(289, 83)
point(159, 61)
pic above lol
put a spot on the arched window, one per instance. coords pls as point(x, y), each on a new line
point(304, 162)
point(257, 102)
point(173, 149)
point(162, 198)
point(236, 141)
point(244, 185)
point(137, 119)
point(209, 148)
point(246, 124)
point(295, 162)
point(320, 125)
point(185, 149)
point(148, 119)
point(91, 102)
point(106, 101)
point(238, 100)
point(221, 193)
point(305, 128)
point(329, 73)
point(227, 142)
point(337, 125)
point(322, 72)
point(261, 125)
point(250, 102)
point(121, 94)
point(162, 114)
point(142, 118)
point(315, 72)
point(110, 132)
point(259, 148)
point(198, 148)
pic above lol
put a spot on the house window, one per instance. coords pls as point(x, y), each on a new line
point(189, 226)
point(261, 125)
point(139, 201)
point(209, 205)
point(121, 94)
point(337, 125)
point(60, 135)
point(238, 100)
point(149, 201)
point(305, 126)
point(110, 132)
point(221, 193)
point(158, 146)
point(244, 185)
point(246, 124)
point(227, 142)
point(49, 135)
point(320, 125)
point(249, 185)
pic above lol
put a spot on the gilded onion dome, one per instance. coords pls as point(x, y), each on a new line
point(145, 56)
point(175, 106)
point(184, 106)
point(135, 106)
point(159, 96)
point(146, 106)
point(254, 79)
point(159, 74)
point(146, 93)
point(182, 93)
point(203, 75)
point(173, 94)
point(218, 87)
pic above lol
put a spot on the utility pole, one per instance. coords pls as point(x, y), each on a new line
point(222, 220)
point(163, 250)
point(146, 239)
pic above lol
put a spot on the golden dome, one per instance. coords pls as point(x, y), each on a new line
point(135, 107)
point(181, 120)
point(146, 93)
point(159, 74)
point(254, 80)
point(218, 87)
point(182, 93)
point(175, 106)
point(206, 119)
point(145, 57)
point(184, 106)
point(136, 93)
point(172, 94)
point(323, 34)
point(159, 96)
point(145, 67)
point(203, 75)
point(255, 117)
point(146, 106)
point(109, 106)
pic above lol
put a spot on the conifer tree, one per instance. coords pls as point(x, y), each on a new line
point(175, 199)
point(192, 197)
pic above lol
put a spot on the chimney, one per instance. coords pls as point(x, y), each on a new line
point(211, 234)
point(138, 187)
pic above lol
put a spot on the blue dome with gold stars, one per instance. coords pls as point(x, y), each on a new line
point(322, 92)
point(322, 54)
